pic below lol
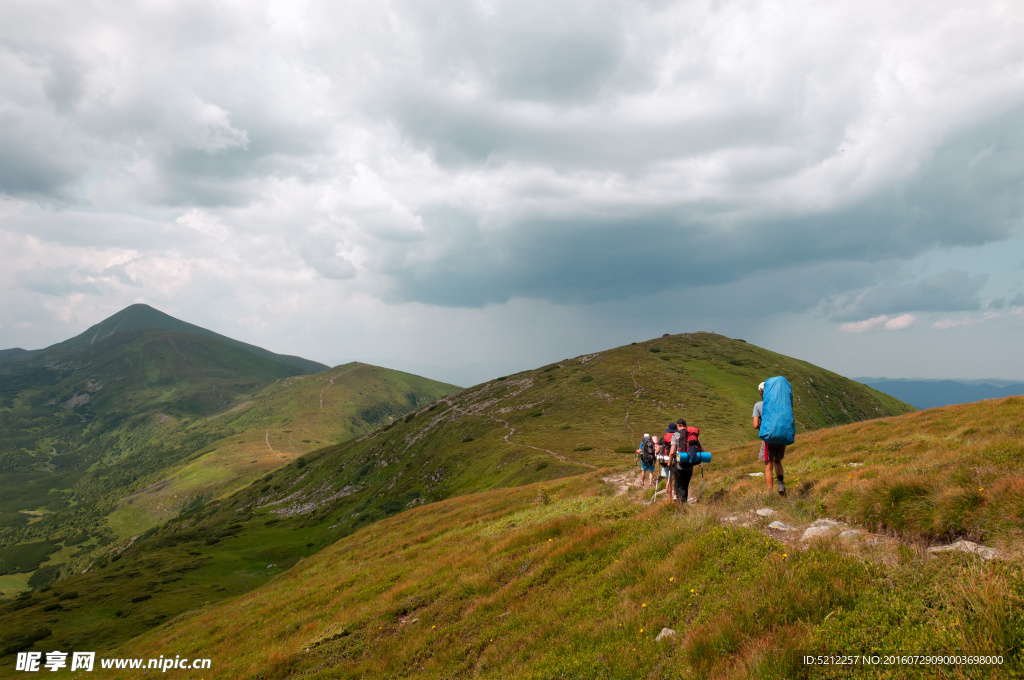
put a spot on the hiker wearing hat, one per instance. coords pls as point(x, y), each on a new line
point(771, 454)
point(682, 470)
point(665, 461)
point(648, 451)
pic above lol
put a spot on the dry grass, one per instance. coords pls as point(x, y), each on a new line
point(503, 584)
point(931, 476)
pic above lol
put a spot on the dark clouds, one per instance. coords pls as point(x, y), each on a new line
point(951, 291)
point(474, 154)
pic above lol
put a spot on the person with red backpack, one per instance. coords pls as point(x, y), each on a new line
point(684, 453)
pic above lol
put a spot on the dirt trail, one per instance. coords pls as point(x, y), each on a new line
point(564, 459)
point(480, 409)
point(636, 395)
point(331, 384)
point(624, 481)
point(802, 533)
point(271, 447)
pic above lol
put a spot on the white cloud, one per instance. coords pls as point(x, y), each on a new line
point(204, 223)
point(946, 324)
point(896, 323)
point(862, 326)
point(900, 323)
point(1013, 311)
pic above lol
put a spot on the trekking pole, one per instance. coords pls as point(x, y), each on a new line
point(701, 497)
point(668, 480)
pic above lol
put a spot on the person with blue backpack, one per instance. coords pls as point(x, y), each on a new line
point(776, 427)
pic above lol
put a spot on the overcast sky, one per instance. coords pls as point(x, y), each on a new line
point(466, 189)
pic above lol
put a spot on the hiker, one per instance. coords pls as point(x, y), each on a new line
point(665, 460)
point(648, 451)
point(771, 454)
point(685, 447)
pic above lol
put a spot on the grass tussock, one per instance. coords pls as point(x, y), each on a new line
point(932, 476)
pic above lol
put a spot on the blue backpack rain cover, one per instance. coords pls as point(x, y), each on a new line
point(778, 426)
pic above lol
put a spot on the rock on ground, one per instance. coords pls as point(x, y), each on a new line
point(665, 633)
point(815, 532)
point(765, 512)
point(981, 551)
point(781, 526)
point(826, 522)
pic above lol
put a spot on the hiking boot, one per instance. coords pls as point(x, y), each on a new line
point(782, 489)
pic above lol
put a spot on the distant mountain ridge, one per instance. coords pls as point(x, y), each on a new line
point(934, 393)
point(143, 317)
point(109, 433)
point(13, 353)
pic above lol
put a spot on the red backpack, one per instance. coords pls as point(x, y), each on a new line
point(692, 436)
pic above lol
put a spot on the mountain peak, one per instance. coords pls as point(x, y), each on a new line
point(140, 316)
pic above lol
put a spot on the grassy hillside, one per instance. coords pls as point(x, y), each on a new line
point(552, 422)
point(571, 579)
point(560, 419)
point(106, 439)
point(281, 422)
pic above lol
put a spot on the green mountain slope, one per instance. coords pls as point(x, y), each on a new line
point(570, 578)
point(555, 421)
point(282, 421)
point(106, 438)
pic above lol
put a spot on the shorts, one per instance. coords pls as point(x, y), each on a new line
point(772, 452)
point(647, 467)
point(665, 470)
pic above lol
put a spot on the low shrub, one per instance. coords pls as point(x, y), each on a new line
point(25, 557)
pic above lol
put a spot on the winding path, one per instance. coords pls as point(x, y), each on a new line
point(271, 447)
point(331, 384)
point(636, 395)
point(511, 430)
point(564, 459)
